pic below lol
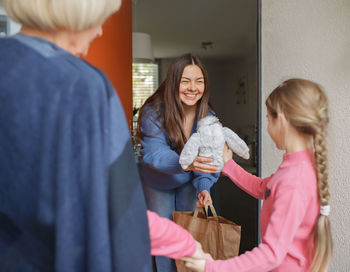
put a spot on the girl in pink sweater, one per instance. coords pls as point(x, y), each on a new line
point(295, 228)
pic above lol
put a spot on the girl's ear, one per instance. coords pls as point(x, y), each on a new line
point(282, 126)
point(283, 122)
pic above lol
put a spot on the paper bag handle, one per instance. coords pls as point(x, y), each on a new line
point(206, 211)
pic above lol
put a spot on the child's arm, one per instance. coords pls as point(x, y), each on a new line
point(171, 240)
point(253, 185)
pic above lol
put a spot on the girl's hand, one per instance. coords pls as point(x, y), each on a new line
point(227, 154)
point(200, 254)
point(197, 261)
point(203, 199)
point(200, 164)
point(197, 265)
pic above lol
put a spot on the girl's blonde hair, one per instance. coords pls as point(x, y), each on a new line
point(305, 106)
point(53, 15)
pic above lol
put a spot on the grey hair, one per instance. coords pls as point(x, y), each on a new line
point(75, 15)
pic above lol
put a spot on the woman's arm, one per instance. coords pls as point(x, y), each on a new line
point(156, 150)
point(203, 182)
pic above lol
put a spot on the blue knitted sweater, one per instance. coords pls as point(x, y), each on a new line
point(160, 167)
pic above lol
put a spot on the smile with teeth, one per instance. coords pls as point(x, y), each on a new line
point(190, 95)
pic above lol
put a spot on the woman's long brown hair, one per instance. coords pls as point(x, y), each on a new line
point(166, 105)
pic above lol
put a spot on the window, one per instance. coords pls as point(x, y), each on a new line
point(144, 83)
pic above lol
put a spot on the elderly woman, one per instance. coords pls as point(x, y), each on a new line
point(70, 194)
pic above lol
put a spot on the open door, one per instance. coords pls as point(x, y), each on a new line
point(226, 37)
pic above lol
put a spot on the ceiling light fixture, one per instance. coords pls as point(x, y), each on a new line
point(142, 47)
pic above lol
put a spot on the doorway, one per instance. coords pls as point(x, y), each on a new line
point(225, 36)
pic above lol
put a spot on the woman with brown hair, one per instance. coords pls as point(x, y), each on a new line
point(166, 121)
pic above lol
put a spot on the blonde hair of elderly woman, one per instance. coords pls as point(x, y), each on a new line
point(53, 15)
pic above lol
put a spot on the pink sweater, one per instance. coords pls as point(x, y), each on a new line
point(288, 215)
point(169, 239)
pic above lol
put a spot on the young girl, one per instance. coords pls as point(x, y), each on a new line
point(295, 228)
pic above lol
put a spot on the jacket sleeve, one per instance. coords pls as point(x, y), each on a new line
point(169, 239)
point(126, 203)
point(204, 181)
point(251, 184)
point(156, 150)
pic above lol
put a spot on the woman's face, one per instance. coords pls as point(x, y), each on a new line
point(191, 85)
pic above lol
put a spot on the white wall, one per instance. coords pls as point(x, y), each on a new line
point(310, 39)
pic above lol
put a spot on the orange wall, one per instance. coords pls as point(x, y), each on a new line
point(112, 53)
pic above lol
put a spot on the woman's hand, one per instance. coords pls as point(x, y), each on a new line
point(200, 164)
point(197, 265)
point(227, 154)
point(204, 198)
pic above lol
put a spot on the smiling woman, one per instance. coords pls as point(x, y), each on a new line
point(166, 121)
point(191, 86)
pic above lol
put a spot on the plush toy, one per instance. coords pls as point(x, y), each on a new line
point(209, 141)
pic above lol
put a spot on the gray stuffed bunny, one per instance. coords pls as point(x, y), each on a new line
point(209, 141)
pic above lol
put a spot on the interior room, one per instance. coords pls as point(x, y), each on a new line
point(224, 35)
point(259, 47)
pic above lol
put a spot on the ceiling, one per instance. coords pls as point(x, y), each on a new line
point(180, 26)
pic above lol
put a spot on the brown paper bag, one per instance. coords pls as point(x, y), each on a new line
point(218, 236)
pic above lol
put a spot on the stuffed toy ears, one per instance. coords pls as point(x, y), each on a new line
point(237, 145)
point(190, 151)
